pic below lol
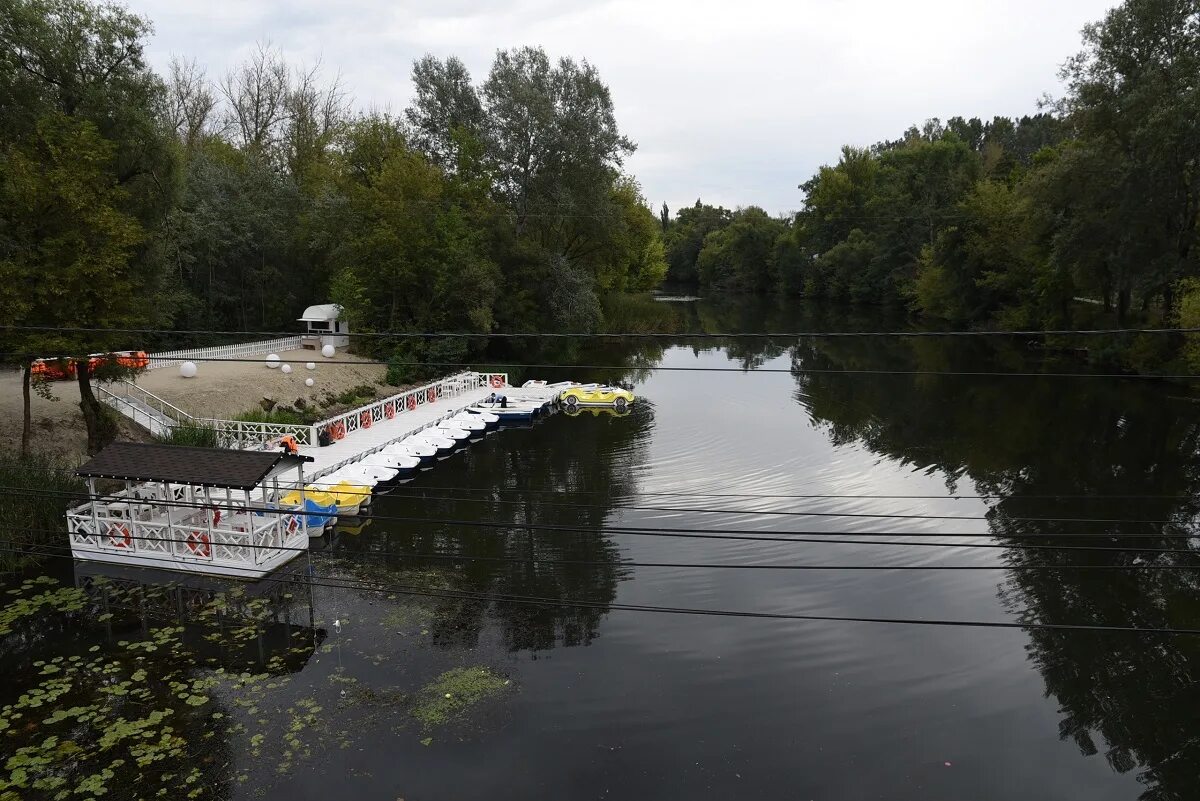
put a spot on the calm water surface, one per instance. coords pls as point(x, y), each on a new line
point(611, 703)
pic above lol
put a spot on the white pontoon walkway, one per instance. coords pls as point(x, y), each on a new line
point(371, 428)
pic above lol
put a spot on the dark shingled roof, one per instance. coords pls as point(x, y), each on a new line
point(179, 464)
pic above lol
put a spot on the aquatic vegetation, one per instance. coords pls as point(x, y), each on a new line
point(453, 693)
point(199, 704)
point(63, 599)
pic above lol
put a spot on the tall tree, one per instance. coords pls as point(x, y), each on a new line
point(685, 238)
point(1133, 96)
point(87, 168)
point(191, 103)
point(446, 110)
point(554, 140)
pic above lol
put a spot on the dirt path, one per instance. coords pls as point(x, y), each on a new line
point(220, 390)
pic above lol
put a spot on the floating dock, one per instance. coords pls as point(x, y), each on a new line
point(360, 432)
point(227, 511)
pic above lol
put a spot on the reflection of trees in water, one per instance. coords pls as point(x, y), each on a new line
point(524, 470)
point(1131, 696)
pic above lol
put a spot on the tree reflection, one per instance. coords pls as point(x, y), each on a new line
point(1131, 697)
point(514, 477)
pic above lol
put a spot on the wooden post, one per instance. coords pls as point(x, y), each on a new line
point(303, 506)
point(91, 482)
point(169, 497)
point(208, 520)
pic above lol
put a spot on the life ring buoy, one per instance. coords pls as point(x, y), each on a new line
point(431, 394)
point(497, 381)
point(364, 420)
point(124, 540)
point(337, 430)
point(389, 411)
point(199, 544)
point(412, 402)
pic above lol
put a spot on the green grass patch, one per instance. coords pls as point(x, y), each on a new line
point(194, 434)
point(454, 693)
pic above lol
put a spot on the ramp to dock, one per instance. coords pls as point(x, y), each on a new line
point(144, 409)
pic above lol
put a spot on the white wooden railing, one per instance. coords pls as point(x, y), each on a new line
point(238, 540)
point(345, 424)
point(243, 435)
point(242, 350)
point(127, 389)
point(230, 433)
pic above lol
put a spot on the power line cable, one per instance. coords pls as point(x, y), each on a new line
point(704, 533)
point(619, 335)
point(503, 367)
point(856, 515)
point(611, 606)
point(781, 513)
point(406, 489)
point(622, 563)
point(773, 496)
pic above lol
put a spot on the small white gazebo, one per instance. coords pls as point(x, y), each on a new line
point(324, 327)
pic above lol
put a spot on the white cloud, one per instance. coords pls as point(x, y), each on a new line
point(735, 102)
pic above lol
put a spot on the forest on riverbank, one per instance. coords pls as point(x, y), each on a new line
point(1084, 214)
point(184, 202)
point(189, 202)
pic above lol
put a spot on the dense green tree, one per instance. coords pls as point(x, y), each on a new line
point(741, 256)
point(446, 109)
point(411, 257)
point(87, 170)
point(230, 243)
point(684, 239)
point(984, 266)
point(1134, 102)
point(636, 259)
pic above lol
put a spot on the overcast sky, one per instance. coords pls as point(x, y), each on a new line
point(735, 102)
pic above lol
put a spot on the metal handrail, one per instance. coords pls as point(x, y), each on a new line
point(153, 401)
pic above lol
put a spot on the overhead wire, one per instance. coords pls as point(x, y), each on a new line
point(407, 490)
point(618, 562)
point(505, 366)
point(607, 606)
point(775, 496)
point(621, 335)
point(619, 529)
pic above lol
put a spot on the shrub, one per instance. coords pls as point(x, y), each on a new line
point(40, 492)
point(280, 414)
point(195, 434)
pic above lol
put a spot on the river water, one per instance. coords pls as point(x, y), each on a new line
point(589, 699)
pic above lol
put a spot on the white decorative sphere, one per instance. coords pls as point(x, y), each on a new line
point(328, 351)
point(311, 365)
point(308, 382)
point(188, 369)
point(287, 368)
point(272, 361)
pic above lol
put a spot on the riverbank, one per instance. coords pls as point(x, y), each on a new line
point(220, 390)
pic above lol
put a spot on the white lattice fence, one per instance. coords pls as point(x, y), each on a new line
point(240, 434)
point(240, 351)
point(366, 416)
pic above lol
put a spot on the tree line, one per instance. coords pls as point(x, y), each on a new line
point(177, 201)
point(1086, 211)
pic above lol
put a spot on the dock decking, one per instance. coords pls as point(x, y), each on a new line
point(397, 417)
